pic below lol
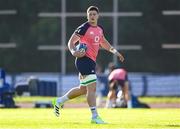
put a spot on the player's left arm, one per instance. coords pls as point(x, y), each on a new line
point(107, 46)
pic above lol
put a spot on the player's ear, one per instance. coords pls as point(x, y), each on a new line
point(97, 15)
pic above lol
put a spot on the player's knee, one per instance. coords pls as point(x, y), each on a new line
point(91, 88)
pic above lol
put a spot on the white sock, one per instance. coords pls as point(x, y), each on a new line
point(62, 99)
point(94, 112)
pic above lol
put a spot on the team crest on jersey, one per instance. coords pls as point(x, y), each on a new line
point(91, 32)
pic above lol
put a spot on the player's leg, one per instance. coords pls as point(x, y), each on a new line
point(125, 90)
point(90, 82)
point(91, 94)
point(86, 67)
point(72, 93)
point(111, 97)
point(91, 98)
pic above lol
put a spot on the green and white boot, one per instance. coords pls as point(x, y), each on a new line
point(57, 107)
point(97, 120)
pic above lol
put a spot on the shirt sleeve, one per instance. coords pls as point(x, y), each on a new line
point(81, 30)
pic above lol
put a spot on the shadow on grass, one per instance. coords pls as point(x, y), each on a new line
point(169, 125)
point(173, 125)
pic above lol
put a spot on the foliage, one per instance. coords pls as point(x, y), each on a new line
point(29, 31)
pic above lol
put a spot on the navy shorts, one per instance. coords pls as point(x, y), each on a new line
point(85, 65)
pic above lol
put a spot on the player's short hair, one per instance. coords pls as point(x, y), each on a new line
point(93, 8)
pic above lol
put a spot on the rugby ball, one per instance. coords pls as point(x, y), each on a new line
point(81, 47)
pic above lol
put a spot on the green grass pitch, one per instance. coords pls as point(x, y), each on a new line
point(79, 118)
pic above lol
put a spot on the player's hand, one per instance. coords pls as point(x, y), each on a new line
point(121, 58)
point(79, 54)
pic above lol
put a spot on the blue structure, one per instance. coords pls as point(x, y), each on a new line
point(6, 92)
point(36, 87)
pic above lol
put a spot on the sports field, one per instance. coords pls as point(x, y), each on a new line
point(30, 118)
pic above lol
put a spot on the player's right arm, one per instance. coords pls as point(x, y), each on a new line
point(71, 45)
point(78, 33)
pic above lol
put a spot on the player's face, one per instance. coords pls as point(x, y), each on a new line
point(92, 16)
